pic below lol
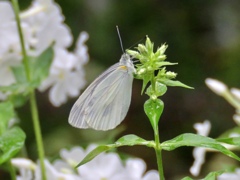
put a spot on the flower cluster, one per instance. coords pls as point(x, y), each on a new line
point(150, 63)
point(43, 25)
point(105, 166)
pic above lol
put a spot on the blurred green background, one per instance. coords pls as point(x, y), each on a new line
point(203, 37)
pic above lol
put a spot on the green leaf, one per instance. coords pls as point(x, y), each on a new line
point(131, 140)
point(164, 63)
point(210, 176)
point(19, 88)
point(19, 73)
point(128, 140)
point(195, 140)
point(153, 109)
point(40, 65)
point(11, 142)
point(170, 82)
point(160, 89)
point(213, 175)
point(18, 92)
point(18, 100)
point(187, 178)
point(95, 152)
point(232, 141)
point(146, 79)
point(7, 113)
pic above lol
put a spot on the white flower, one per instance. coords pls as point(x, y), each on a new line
point(105, 166)
point(135, 169)
point(230, 176)
point(99, 169)
point(8, 29)
point(236, 118)
point(81, 49)
point(73, 156)
point(64, 79)
point(9, 44)
point(216, 86)
point(203, 129)
point(151, 175)
point(63, 167)
point(236, 92)
point(26, 168)
point(43, 25)
point(199, 152)
point(23, 163)
point(53, 174)
point(45, 21)
point(96, 168)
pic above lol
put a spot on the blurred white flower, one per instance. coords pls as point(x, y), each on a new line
point(45, 21)
point(236, 92)
point(53, 174)
point(74, 155)
point(81, 49)
point(216, 86)
point(202, 129)
point(9, 44)
point(236, 118)
point(43, 25)
point(105, 166)
point(230, 176)
point(23, 163)
point(135, 169)
point(26, 168)
point(64, 79)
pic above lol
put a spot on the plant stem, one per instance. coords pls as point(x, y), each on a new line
point(11, 170)
point(233, 101)
point(24, 53)
point(158, 152)
point(158, 149)
point(37, 131)
point(33, 104)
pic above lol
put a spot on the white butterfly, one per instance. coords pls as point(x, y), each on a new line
point(104, 104)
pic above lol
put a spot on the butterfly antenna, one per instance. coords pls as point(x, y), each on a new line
point(119, 36)
point(144, 38)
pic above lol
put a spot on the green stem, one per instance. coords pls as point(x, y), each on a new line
point(37, 131)
point(158, 149)
point(158, 152)
point(233, 101)
point(11, 170)
point(33, 104)
point(25, 57)
point(153, 82)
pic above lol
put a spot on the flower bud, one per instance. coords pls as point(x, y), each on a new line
point(216, 86)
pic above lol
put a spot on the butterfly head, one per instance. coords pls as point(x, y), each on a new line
point(126, 62)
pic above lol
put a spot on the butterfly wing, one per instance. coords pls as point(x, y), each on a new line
point(78, 111)
point(110, 102)
point(105, 103)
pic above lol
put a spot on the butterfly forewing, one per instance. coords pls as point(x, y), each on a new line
point(104, 104)
point(78, 111)
point(108, 110)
